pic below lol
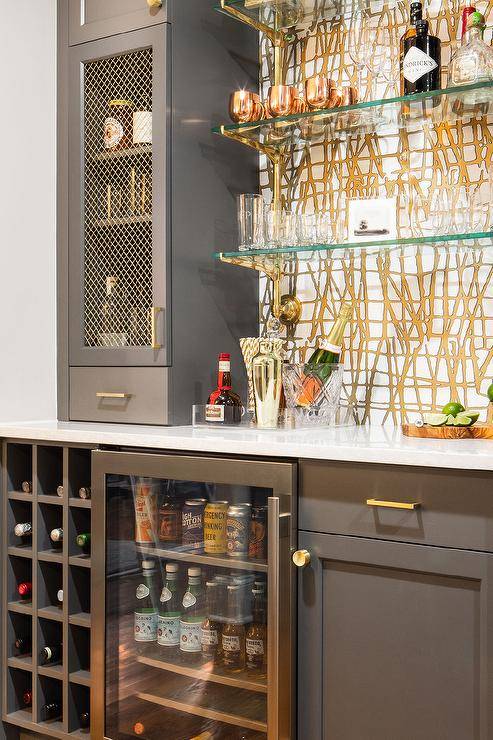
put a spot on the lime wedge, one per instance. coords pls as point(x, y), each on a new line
point(450, 420)
point(461, 420)
point(473, 415)
point(435, 420)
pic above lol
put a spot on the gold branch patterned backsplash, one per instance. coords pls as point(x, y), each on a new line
point(422, 327)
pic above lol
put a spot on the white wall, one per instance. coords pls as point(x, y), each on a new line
point(27, 209)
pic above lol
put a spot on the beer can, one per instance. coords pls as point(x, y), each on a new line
point(215, 516)
point(145, 502)
point(192, 530)
point(238, 530)
point(257, 546)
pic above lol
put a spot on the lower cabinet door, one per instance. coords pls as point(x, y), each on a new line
point(395, 641)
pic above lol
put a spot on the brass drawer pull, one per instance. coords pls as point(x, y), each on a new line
point(155, 3)
point(393, 504)
point(301, 558)
point(103, 394)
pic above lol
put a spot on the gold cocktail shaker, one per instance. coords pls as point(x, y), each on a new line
point(267, 384)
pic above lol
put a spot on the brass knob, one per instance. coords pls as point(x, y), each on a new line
point(155, 3)
point(301, 558)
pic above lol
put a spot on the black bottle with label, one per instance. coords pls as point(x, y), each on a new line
point(420, 68)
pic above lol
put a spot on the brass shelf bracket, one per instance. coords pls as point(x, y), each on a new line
point(269, 151)
point(276, 37)
point(286, 308)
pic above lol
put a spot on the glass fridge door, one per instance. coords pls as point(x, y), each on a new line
point(196, 593)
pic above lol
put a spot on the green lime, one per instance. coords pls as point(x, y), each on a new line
point(462, 421)
point(435, 420)
point(453, 407)
point(473, 415)
point(489, 392)
point(450, 420)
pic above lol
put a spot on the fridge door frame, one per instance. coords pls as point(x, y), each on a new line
point(281, 478)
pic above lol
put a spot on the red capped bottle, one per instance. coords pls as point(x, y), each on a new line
point(25, 591)
point(224, 397)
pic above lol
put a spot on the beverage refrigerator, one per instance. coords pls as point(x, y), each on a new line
point(163, 666)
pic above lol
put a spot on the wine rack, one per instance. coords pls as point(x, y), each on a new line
point(44, 620)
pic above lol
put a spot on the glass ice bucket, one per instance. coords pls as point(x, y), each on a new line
point(313, 393)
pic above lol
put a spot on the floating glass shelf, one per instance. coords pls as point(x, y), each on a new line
point(281, 16)
point(412, 112)
point(479, 239)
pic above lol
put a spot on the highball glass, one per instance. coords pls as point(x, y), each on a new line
point(250, 221)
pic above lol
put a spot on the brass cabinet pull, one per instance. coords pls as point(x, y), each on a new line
point(155, 3)
point(103, 394)
point(155, 310)
point(301, 558)
point(393, 504)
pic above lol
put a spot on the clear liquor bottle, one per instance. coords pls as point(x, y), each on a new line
point(473, 60)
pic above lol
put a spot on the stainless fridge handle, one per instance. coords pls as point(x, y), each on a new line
point(274, 555)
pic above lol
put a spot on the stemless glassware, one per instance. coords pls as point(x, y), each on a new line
point(429, 213)
point(250, 221)
point(279, 228)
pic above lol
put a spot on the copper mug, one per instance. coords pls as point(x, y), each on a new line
point(349, 95)
point(280, 100)
point(245, 107)
point(321, 92)
point(299, 104)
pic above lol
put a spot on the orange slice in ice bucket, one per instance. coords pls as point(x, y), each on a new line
point(310, 391)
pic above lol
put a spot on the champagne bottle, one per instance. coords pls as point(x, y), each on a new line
point(318, 367)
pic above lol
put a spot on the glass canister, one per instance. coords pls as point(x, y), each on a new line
point(118, 125)
point(267, 384)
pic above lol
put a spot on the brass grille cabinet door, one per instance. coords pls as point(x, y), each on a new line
point(118, 197)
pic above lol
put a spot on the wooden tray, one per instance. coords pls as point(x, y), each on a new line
point(477, 431)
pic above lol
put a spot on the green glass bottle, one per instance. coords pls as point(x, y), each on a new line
point(168, 628)
point(193, 615)
point(146, 614)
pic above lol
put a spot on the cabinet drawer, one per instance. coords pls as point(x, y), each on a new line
point(95, 19)
point(455, 506)
point(140, 394)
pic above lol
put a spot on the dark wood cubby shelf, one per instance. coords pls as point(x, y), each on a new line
point(46, 621)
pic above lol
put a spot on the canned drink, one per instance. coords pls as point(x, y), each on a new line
point(192, 530)
point(145, 501)
point(257, 546)
point(215, 516)
point(238, 530)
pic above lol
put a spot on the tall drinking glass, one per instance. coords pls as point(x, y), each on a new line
point(250, 221)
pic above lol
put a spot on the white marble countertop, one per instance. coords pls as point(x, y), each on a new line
point(375, 444)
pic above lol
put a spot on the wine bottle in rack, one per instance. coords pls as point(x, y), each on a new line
point(84, 720)
point(23, 530)
point(84, 542)
point(50, 654)
point(51, 710)
point(22, 645)
point(27, 698)
point(25, 590)
point(59, 597)
point(59, 491)
point(27, 486)
point(85, 492)
point(56, 537)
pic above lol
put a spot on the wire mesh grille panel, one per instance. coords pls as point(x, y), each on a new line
point(118, 268)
